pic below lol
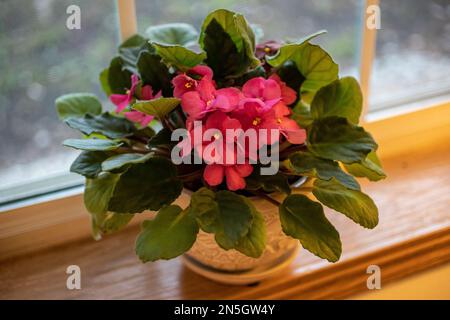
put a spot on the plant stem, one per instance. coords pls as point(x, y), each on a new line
point(267, 197)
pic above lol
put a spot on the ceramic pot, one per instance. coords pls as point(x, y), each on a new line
point(232, 267)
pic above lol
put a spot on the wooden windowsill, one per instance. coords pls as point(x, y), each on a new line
point(413, 235)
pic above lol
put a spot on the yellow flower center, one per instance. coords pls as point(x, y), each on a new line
point(279, 120)
point(208, 103)
point(266, 49)
point(256, 121)
point(188, 84)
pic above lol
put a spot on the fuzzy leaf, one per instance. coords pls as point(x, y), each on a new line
point(335, 138)
point(119, 161)
point(229, 43)
point(370, 167)
point(171, 233)
point(253, 243)
point(146, 186)
point(182, 34)
point(77, 105)
point(179, 57)
point(306, 163)
point(353, 203)
point(157, 107)
point(106, 124)
point(342, 98)
point(89, 163)
point(98, 192)
point(93, 144)
point(303, 219)
point(315, 65)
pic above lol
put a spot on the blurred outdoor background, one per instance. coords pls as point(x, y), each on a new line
point(40, 59)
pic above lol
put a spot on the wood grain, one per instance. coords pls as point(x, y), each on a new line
point(413, 235)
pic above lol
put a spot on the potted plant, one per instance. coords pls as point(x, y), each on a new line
point(245, 206)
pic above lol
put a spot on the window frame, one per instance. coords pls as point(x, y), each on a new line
point(126, 11)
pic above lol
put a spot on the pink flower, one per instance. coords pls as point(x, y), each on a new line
point(267, 48)
point(234, 174)
point(219, 122)
point(251, 115)
point(217, 166)
point(264, 92)
point(139, 117)
point(207, 98)
point(184, 83)
point(288, 95)
point(277, 118)
point(123, 100)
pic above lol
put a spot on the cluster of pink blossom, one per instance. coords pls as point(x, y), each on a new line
point(122, 101)
point(260, 104)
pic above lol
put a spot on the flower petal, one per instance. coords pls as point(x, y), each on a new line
point(203, 71)
point(120, 100)
point(271, 90)
point(213, 174)
point(253, 88)
point(146, 93)
point(193, 105)
point(234, 180)
point(244, 170)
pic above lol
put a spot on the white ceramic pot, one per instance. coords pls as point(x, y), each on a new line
point(232, 267)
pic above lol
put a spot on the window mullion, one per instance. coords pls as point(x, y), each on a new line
point(127, 18)
point(367, 55)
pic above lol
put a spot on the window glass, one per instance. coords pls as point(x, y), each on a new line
point(412, 61)
point(281, 19)
point(41, 59)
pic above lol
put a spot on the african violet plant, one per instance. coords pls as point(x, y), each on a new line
point(165, 81)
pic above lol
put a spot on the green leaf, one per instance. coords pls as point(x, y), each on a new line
point(119, 79)
point(77, 105)
point(104, 82)
point(352, 203)
point(106, 124)
point(335, 138)
point(179, 57)
point(150, 185)
point(170, 234)
point(253, 243)
point(154, 72)
point(173, 34)
point(109, 222)
point(163, 137)
point(119, 161)
point(98, 191)
point(157, 107)
point(303, 219)
point(370, 167)
point(224, 213)
point(302, 115)
point(92, 144)
point(130, 49)
point(229, 43)
point(89, 163)
point(272, 183)
point(289, 73)
point(305, 163)
point(314, 64)
point(342, 98)
point(206, 210)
